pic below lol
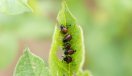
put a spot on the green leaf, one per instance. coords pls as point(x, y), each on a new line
point(58, 67)
point(65, 17)
point(31, 65)
point(14, 6)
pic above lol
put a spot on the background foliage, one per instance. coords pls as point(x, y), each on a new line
point(107, 28)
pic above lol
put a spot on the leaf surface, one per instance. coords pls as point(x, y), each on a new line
point(31, 65)
point(58, 67)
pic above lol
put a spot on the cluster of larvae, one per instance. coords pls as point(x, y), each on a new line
point(67, 46)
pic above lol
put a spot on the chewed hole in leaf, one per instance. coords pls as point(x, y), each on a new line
point(60, 53)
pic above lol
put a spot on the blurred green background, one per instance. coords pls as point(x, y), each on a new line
point(107, 26)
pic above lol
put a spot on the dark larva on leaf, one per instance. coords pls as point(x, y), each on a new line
point(69, 52)
point(67, 59)
point(67, 46)
point(68, 37)
point(63, 29)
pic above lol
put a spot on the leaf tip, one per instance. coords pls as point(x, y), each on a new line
point(27, 50)
point(65, 17)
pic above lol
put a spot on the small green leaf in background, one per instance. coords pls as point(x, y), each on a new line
point(57, 66)
point(14, 6)
point(31, 65)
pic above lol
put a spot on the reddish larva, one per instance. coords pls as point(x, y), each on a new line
point(67, 59)
point(67, 46)
point(67, 38)
point(63, 29)
point(69, 52)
